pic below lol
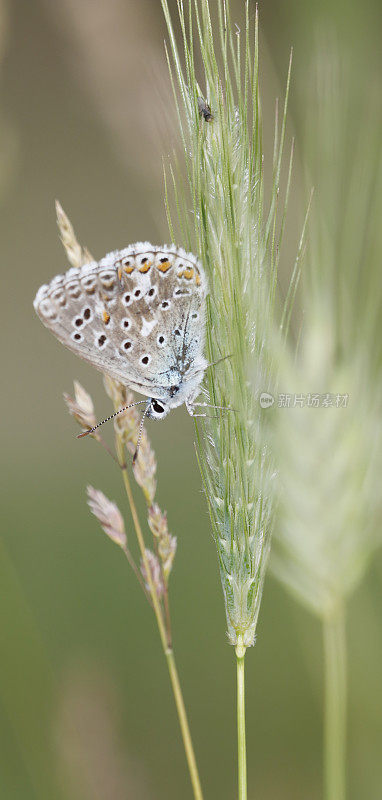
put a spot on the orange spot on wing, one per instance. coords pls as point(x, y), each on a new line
point(128, 270)
point(145, 267)
point(164, 266)
point(188, 274)
point(105, 317)
point(198, 280)
point(119, 273)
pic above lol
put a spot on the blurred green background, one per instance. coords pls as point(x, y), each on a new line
point(86, 708)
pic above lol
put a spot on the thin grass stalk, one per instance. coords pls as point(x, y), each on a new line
point(335, 705)
point(183, 721)
point(241, 731)
point(141, 541)
point(164, 634)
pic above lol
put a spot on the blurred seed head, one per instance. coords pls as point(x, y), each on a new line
point(108, 515)
point(77, 256)
point(328, 472)
point(330, 458)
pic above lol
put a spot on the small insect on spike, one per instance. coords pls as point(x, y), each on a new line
point(91, 430)
point(204, 110)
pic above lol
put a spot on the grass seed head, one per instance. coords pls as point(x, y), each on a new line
point(108, 515)
point(81, 407)
point(238, 242)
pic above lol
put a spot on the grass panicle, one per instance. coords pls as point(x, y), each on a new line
point(154, 566)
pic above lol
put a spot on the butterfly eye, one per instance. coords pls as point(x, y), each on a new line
point(145, 360)
point(160, 340)
point(137, 292)
point(126, 345)
point(87, 313)
point(151, 292)
point(78, 322)
point(177, 332)
point(77, 337)
point(157, 407)
point(126, 299)
point(194, 316)
point(125, 324)
point(165, 304)
point(102, 340)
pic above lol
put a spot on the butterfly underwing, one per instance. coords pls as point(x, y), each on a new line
point(137, 315)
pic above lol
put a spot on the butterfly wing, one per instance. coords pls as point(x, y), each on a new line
point(137, 315)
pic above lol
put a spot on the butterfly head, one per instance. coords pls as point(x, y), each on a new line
point(157, 409)
point(170, 397)
point(182, 387)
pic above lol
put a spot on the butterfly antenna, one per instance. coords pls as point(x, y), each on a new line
point(91, 430)
point(213, 363)
point(140, 435)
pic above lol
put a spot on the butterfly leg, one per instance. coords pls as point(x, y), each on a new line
point(208, 416)
point(209, 405)
point(191, 406)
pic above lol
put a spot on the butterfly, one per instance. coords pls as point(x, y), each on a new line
point(137, 315)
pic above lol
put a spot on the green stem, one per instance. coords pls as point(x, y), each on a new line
point(335, 704)
point(182, 715)
point(241, 742)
